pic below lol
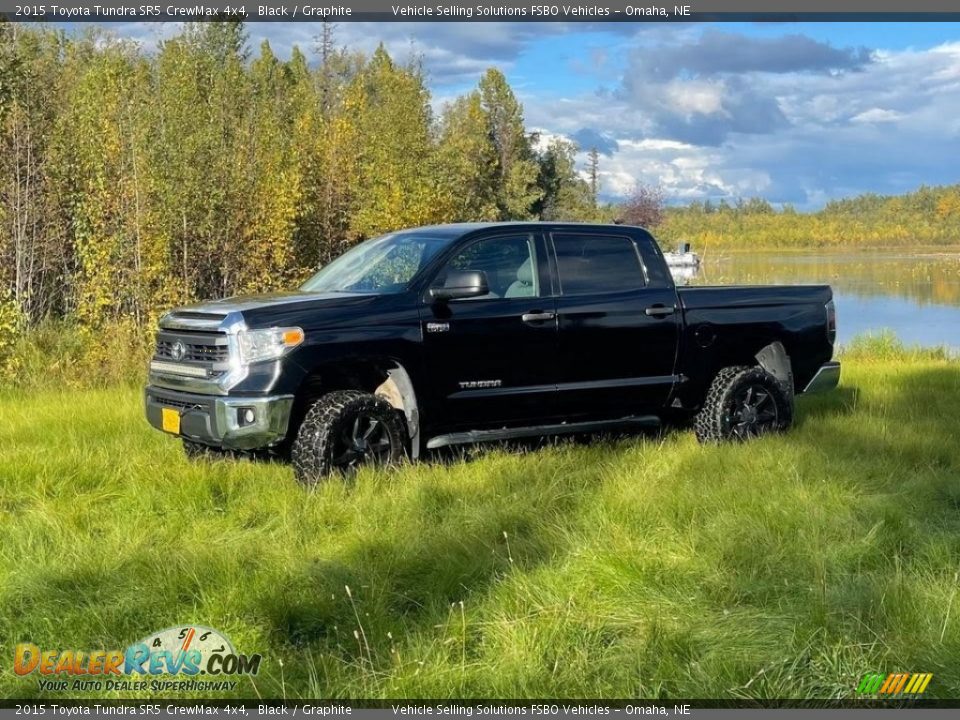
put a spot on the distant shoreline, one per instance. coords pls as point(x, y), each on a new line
point(914, 251)
point(927, 217)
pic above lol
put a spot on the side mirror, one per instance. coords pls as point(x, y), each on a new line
point(465, 284)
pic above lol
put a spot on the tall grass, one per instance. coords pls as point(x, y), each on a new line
point(64, 354)
point(639, 567)
point(885, 347)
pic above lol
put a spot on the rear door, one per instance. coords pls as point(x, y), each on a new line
point(618, 325)
point(492, 360)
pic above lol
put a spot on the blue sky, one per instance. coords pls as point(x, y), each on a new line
point(795, 112)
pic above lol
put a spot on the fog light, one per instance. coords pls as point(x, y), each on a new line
point(246, 416)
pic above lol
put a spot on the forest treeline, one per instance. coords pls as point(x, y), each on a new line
point(133, 181)
point(928, 216)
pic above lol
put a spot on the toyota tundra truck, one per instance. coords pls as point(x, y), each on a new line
point(456, 334)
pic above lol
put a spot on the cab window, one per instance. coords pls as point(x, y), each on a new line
point(592, 264)
point(508, 261)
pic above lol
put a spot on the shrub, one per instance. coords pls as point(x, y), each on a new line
point(885, 346)
point(59, 354)
point(11, 327)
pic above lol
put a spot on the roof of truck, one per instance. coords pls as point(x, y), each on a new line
point(457, 229)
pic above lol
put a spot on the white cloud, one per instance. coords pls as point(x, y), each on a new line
point(702, 111)
point(887, 126)
point(705, 98)
point(876, 115)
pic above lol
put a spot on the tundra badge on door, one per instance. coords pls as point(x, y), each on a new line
point(477, 384)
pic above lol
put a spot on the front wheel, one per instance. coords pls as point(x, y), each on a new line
point(743, 403)
point(345, 430)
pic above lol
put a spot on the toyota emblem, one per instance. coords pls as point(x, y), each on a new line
point(178, 351)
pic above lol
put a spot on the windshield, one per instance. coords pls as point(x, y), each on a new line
point(385, 264)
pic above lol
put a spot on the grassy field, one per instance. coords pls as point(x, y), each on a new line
point(639, 567)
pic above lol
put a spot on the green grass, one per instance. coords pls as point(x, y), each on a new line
point(649, 567)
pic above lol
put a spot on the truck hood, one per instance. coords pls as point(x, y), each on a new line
point(240, 303)
point(302, 309)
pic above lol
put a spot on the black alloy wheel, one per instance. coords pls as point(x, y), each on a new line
point(754, 411)
point(345, 430)
point(742, 403)
point(361, 442)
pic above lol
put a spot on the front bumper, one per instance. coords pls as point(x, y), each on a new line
point(214, 420)
point(826, 378)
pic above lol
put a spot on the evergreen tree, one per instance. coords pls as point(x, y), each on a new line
point(517, 192)
point(564, 194)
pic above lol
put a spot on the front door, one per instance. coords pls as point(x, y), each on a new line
point(618, 331)
point(492, 359)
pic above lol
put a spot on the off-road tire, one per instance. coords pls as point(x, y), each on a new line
point(329, 420)
point(718, 419)
point(199, 451)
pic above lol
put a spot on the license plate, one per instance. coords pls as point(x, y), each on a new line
point(170, 420)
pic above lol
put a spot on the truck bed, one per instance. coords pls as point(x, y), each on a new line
point(701, 297)
point(720, 320)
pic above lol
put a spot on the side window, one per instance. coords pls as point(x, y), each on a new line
point(509, 263)
point(589, 264)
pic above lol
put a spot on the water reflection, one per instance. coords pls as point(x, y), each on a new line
point(917, 295)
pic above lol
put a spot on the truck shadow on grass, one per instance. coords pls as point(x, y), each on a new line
point(411, 581)
point(469, 453)
point(839, 402)
point(420, 583)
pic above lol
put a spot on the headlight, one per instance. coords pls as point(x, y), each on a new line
point(269, 344)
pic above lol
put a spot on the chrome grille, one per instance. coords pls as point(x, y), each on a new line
point(200, 349)
point(193, 352)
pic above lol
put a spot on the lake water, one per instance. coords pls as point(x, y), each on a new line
point(916, 295)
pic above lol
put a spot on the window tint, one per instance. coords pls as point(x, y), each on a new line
point(382, 265)
point(509, 263)
point(597, 263)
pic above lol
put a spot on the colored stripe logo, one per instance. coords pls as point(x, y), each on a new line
point(894, 684)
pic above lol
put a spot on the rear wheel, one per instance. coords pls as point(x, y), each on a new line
point(345, 430)
point(743, 403)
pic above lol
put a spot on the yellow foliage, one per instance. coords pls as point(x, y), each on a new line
point(11, 326)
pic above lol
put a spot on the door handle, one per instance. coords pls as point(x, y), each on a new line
point(660, 310)
point(537, 316)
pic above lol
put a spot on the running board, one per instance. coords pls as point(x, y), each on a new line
point(479, 436)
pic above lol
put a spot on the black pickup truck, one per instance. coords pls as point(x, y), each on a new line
point(456, 334)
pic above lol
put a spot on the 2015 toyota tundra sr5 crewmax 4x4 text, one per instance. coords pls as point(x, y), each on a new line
point(455, 334)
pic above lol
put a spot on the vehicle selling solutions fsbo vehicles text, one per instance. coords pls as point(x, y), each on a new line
point(470, 11)
point(534, 11)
